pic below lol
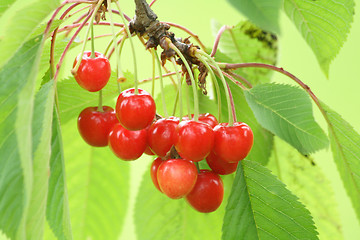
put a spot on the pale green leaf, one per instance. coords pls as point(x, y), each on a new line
point(247, 43)
point(73, 99)
point(19, 21)
point(16, 110)
point(4, 5)
point(57, 209)
point(286, 111)
point(177, 220)
point(98, 184)
point(260, 207)
point(323, 24)
point(345, 146)
point(263, 13)
point(305, 179)
point(41, 132)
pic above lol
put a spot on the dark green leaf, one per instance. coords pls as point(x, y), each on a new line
point(286, 111)
point(17, 79)
point(260, 207)
point(57, 211)
point(263, 13)
point(345, 146)
point(323, 24)
point(98, 184)
point(305, 179)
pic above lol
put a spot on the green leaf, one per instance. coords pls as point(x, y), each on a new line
point(73, 99)
point(41, 131)
point(19, 21)
point(344, 142)
point(286, 111)
point(260, 207)
point(263, 13)
point(305, 179)
point(4, 5)
point(98, 184)
point(16, 110)
point(177, 220)
point(57, 209)
point(247, 43)
point(323, 24)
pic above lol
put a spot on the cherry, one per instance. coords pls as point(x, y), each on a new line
point(125, 144)
point(194, 140)
point(93, 73)
point(208, 192)
point(232, 143)
point(205, 118)
point(220, 166)
point(95, 126)
point(162, 136)
point(135, 111)
point(176, 177)
point(153, 172)
point(148, 151)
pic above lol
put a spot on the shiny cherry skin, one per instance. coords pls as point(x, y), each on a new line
point(176, 177)
point(162, 136)
point(208, 192)
point(93, 73)
point(233, 143)
point(220, 166)
point(125, 144)
point(194, 140)
point(95, 126)
point(135, 111)
point(205, 118)
point(153, 172)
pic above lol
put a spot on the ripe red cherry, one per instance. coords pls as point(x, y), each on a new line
point(205, 118)
point(153, 172)
point(220, 166)
point(93, 73)
point(162, 136)
point(208, 192)
point(232, 143)
point(95, 126)
point(176, 177)
point(194, 140)
point(135, 111)
point(125, 144)
point(148, 151)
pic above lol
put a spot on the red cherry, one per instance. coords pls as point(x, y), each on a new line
point(194, 140)
point(95, 126)
point(205, 118)
point(176, 177)
point(208, 192)
point(220, 166)
point(153, 172)
point(125, 144)
point(162, 136)
point(148, 151)
point(135, 111)
point(232, 143)
point(93, 73)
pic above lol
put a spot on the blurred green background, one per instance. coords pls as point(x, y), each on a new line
point(340, 91)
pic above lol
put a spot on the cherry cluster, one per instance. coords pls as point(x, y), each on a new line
point(133, 129)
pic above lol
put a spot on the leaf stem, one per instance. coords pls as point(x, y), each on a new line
point(217, 39)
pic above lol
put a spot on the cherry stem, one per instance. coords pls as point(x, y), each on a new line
point(249, 85)
point(197, 166)
point(161, 84)
point(132, 47)
point(93, 13)
point(215, 83)
point(92, 40)
point(157, 77)
point(179, 85)
point(153, 73)
point(152, 2)
point(100, 107)
point(230, 117)
point(193, 83)
point(196, 37)
point(217, 39)
point(75, 25)
point(188, 100)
